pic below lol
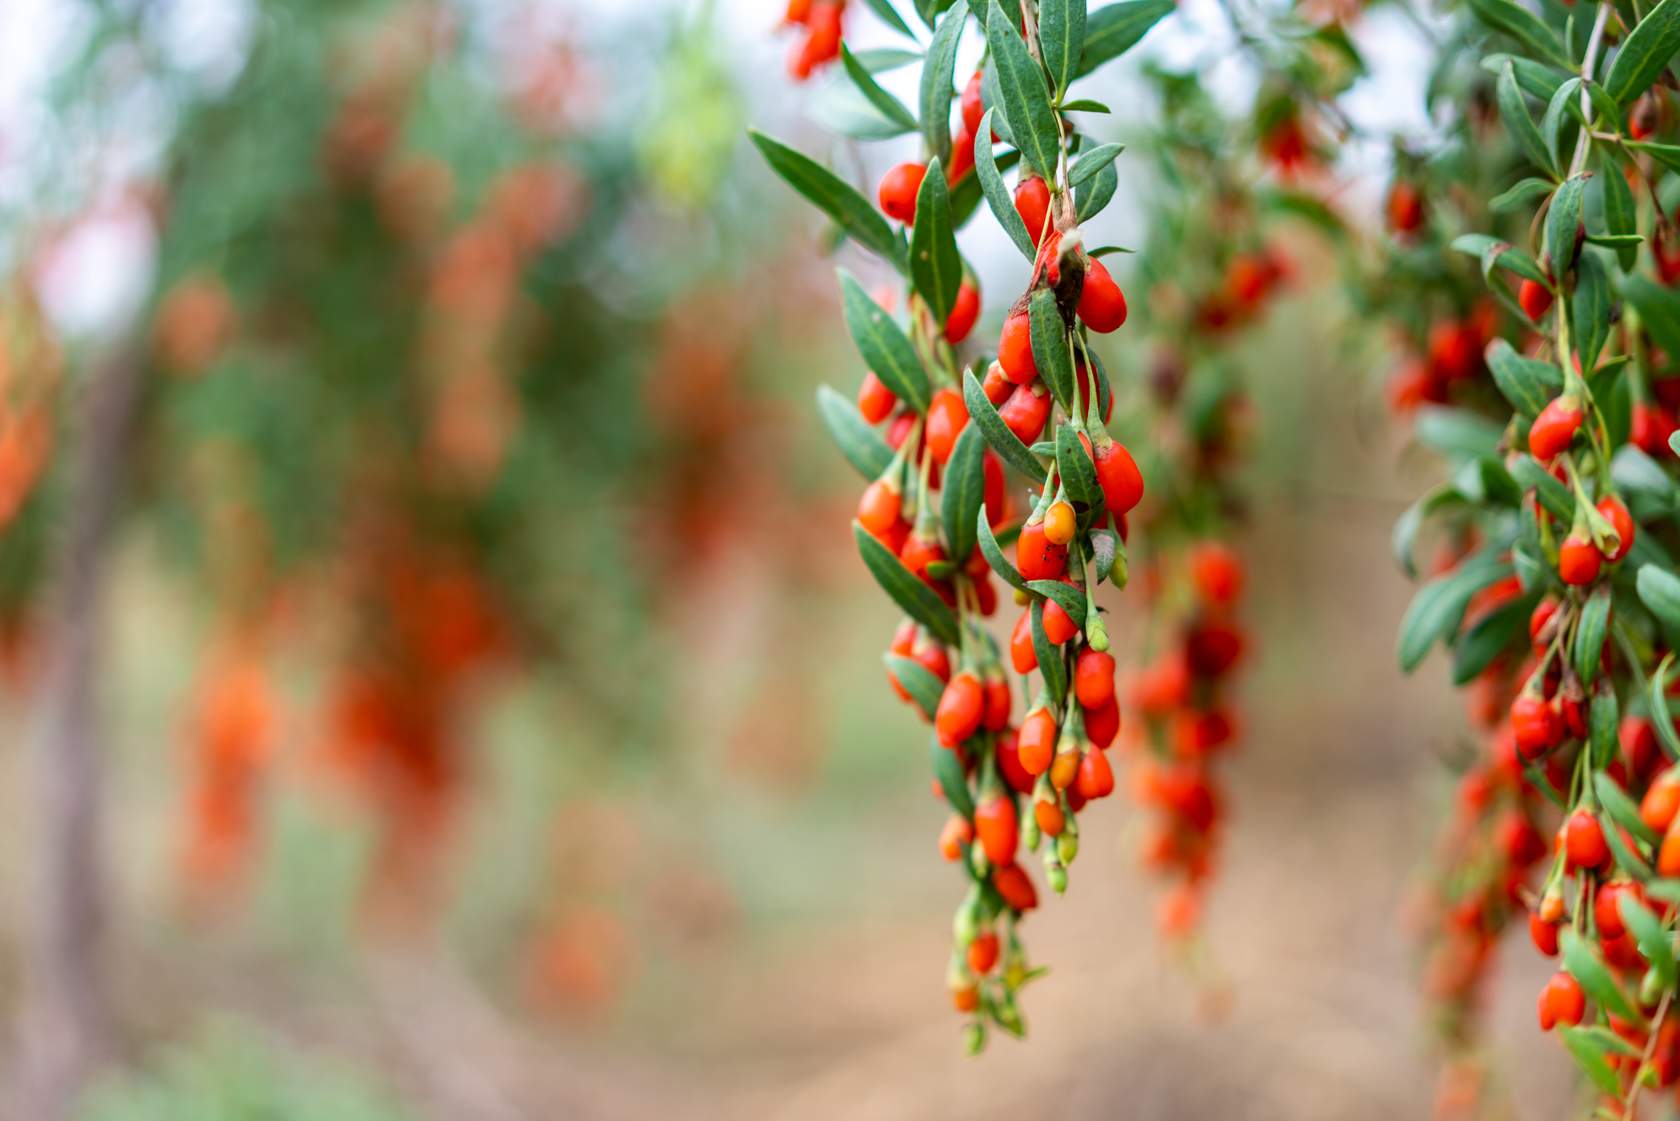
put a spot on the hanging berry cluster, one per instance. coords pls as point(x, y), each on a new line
point(1564, 596)
point(934, 523)
point(1210, 273)
point(819, 24)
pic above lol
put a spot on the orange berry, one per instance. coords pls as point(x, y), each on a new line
point(897, 192)
point(1032, 203)
point(1059, 523)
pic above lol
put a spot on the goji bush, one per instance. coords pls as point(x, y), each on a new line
point(1558, 599)
point(940, 424)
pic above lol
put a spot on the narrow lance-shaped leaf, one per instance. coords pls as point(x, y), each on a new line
point(1061, 37)
point(907, 590)
point(917, 680)
point(1525, 26)
point(1078, 473)
point(1563, 220)
point(1092, 162)
point(883, 344)
point(964, 491)
point(1589, 307)
point(1050, 665)
point(993, 552)
point(833, 196)
point(1645, 53)
point(1527, 383)
point(1585, 966)
point(948, 772)
point(891, 107)
point(1026, 99)
point(858, 441)
point(938, 77)
point(997, 433)
point(1050, 345)
point(1092, 196)
point(1114, 29)
point(935, 266)
point(1590, 631)
point(998, 199)
point(889, 16)
point(1517, 121)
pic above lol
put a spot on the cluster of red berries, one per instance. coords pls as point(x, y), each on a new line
point(1451, 358)
point(1188, 724)
point(819, 45)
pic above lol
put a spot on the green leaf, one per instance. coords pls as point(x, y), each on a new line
point(1085, 105)
point(1090, 198)
point(938, 82)
point(1589, 308)
point(1536, 79)
point(948, 772)
point(883, 344)
point(1524, 26)
point(1459, 433)
point(1666, 154)
point(924, 688)
point(1092, 162)
point(1565, 99)
point(1558, 500)
point(834, 197)
point(891, 107)
point(1585, 966)
point(1658, 307)
point(879, 60)
point(1026, 99)
point(1636, 473)
point(1656, 699)
point(994, 555)
point(1604, 725)
point(1502, 254)
point(1623, 810)
point(1655, 943)
point(1067, 597)
point(997, 434)
point(859, 442)
point(1660, 592)
point(889, 16)
point(1610, 197)
point(1050, 665)
point(980, 9)
point(1078, 473)
point(1406, 528)
point(1061, 39)
point(930, 10)
point(1626, 856)
point(1050, 345)
point(1438, 608)
point(1588, 1051)
point(841, 108)
point(1527, 383)
point(963, 491)
point(1590, 631)
point(1113, 30)
point(997, 195)
point(1563, 220)
point(935, 266)
point(1523, 193)
point(1519, 124)
point(907, 590)
point(1488, 637)
point(1645, 53)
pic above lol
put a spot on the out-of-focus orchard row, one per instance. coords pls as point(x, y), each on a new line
point(461, 492)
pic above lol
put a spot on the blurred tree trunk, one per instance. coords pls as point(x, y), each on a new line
point(64, 1020)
